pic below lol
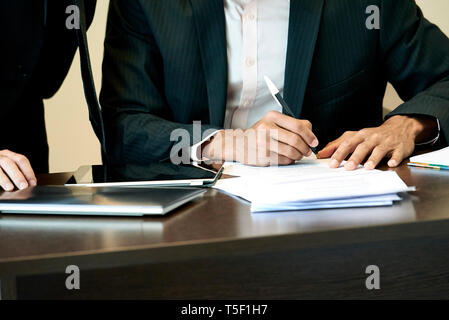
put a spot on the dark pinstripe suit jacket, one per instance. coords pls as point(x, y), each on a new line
point(165, 66)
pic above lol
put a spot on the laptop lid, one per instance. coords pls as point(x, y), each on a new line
point(100, 201)
point(157, 174)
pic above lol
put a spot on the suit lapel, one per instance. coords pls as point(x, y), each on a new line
point(305, 18)
point(211, 29)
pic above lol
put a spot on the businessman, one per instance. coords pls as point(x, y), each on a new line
point(36, 55)
point(169, 63)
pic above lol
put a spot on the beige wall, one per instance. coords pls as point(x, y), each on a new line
point(72, 141)
point(70, 135)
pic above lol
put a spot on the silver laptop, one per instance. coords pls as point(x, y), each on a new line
point(101, 201)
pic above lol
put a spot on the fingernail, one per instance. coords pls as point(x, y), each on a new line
point(315, 143)
point(350, 165)
point(33, 183)
point(369, 165)
point(334, 163)
point(392, 163)
point(23, 185)
point(9, 187)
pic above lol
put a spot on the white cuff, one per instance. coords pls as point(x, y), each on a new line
point(195, 150)
point(434, 140)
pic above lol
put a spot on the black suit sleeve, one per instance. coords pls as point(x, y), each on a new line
point(138, 119)
point(415, 54)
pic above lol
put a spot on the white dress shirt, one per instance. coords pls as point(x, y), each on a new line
point(256, 34)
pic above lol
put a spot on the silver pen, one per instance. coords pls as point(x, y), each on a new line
point(281, 102)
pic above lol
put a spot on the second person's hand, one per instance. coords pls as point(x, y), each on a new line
point(15, 171)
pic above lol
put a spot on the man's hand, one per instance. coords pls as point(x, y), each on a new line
point(395, 139)
point(275, 139)
point(15, 169)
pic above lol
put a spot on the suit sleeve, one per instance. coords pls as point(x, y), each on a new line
point(138, 120)
point(415, 55)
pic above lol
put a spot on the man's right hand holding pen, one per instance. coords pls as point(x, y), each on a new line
point(276, 139)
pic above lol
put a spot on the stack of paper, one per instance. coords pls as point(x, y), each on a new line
point(434, 160)
point(311, 184)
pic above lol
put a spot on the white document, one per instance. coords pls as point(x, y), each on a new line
point(375, 201)
point(437, 158)
point(241, 170)
point(310, 184)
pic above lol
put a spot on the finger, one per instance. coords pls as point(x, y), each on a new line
point(300, 127)
point(13, 172)
point(274, 159)
point(360, 153)
point(277, 159)
point(284, 161)
point(25, 167)
point(329, 150)
point(331, 147)
point(5, 152)
point(346, 147)
point(5, 183)
point(375, 158)
point(396, 158)
point(286, 151)
point(293, 140)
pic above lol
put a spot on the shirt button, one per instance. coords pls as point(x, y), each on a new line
point(250, 62)
point(251, 16)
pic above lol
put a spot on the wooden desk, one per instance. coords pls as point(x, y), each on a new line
point(215, 248)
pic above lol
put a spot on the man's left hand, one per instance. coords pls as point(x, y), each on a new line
point(395, 139)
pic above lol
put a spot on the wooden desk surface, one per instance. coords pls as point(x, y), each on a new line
point(215, 226)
